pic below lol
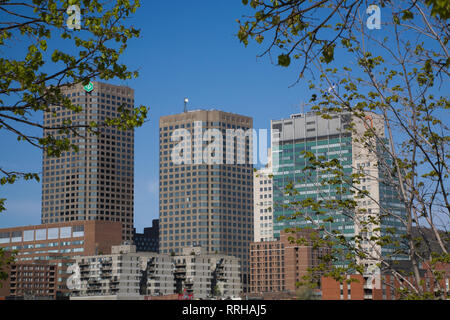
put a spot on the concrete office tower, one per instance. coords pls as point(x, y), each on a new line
point(96, 183)
point(328, 138)
point(263, 202)
point(210, 205)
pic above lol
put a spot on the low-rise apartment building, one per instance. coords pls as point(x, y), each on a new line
point(206, 275)
point(127, 274)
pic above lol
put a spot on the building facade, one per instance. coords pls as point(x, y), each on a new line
point(277, 266)
point(294, 138)
point(97, 182)
point(384, 287)
point(207, 198)
point(263, 202)
point(33, 280)
point(57, 244)
point(149, 240)
point(207, 275)
point(127, 274)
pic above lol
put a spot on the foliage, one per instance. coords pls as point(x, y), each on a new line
point(391, 83)
point(47, 58)
point(6, 258)
point(53, 58)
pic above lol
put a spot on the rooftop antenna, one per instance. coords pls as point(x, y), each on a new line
point(186, 100)
point(302, 107)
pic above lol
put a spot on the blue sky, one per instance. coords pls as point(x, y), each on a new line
point(187, 48)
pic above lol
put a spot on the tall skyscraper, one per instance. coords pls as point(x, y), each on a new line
point(206, 199)
point(263, 202)
point(330, 139)
point(96, 183)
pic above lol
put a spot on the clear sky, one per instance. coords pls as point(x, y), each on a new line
point(187, 48)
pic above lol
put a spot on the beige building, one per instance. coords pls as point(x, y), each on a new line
point(129, 275)
point(123, 274)
point(97, 182)
point(207, 198)
point(263, 202)
point(206, 275)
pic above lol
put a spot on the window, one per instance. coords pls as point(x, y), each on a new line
point(41, 234)
point(28, 235)
point(4, 237)
point(65, 232)
point(78, 231)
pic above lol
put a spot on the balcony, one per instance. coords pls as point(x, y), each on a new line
point(221, 277)
point(93, 282)
point(106, 268)
point(180, 264)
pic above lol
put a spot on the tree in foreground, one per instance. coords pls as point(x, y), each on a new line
point(383, 70)
point(48, 46)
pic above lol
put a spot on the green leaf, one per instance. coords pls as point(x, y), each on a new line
point(284, 60)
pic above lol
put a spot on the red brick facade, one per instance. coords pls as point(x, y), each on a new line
point(56, 244)
point(277, 266)
point(385, 289)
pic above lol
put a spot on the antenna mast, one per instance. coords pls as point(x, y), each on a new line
point(186, 100)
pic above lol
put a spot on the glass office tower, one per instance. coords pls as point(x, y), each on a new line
point(330, 139)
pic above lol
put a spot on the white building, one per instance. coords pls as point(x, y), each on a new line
point(129, 275)
point(263, 202)
point(206, 275)
point(124, 274)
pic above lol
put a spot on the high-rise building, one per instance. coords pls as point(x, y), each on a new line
point(329, 139)
point(96, 183)
point(263, 202)
point(149, 240)
point(206, 199)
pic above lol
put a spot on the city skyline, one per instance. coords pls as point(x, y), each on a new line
point(239, 84)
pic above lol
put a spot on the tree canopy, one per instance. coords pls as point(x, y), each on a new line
point(48, 46)
point(398, 74)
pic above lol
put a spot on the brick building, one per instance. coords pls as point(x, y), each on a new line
point(34, 280)
point(276, 266)
point(56, 244)
point(382, 287)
